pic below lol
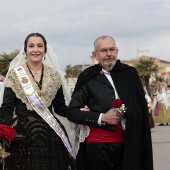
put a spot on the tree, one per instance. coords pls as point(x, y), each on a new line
point(68, 70)
point(146, 68)
point(72, 71)
point(5, 59)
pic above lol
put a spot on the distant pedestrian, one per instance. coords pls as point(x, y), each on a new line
point(168, 94)
point(2, 78)
point(161, 114)
point(149, 102)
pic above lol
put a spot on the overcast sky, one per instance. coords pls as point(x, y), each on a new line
point(71, 26)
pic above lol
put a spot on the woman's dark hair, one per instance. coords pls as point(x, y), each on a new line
point(35, 35)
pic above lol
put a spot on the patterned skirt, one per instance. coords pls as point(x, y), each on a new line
point(163, 116)
point(40, 148)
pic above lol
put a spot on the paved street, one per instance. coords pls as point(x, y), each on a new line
point(161, 147)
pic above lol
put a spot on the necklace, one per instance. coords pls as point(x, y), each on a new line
point(41, 79)
point(35, 71)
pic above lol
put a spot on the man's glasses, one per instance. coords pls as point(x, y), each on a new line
point(105, 50)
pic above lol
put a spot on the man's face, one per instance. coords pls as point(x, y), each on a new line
point(106, 53)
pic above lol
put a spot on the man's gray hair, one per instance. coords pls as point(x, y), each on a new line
point(101, 38)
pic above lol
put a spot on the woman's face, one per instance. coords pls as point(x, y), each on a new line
point(35, 49)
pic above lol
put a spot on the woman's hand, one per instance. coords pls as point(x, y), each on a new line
point(86, 108)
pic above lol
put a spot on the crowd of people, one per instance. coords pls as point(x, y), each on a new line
point(85, 131)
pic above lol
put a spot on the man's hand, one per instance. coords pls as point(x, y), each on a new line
point(111, 117)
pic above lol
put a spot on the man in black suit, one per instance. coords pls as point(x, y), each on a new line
point(108, 145)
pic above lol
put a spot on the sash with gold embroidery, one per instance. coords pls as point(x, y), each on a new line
point(39, 106)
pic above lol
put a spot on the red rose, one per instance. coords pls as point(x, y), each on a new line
point(1, 133)
point(7, 132)
point(117, 103)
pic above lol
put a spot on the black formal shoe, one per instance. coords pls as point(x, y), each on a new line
point(167, 124)
point(161, 124)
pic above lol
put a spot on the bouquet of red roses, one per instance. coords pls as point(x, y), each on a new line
point(117, 104)
point(7, 135)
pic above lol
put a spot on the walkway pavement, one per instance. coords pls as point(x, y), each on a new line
point(161, 147)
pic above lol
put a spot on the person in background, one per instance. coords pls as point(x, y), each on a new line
point(108, 145)
point(149, 103)
point(168, 94)
point(34, 87)
point(2, 78)
point(161, 114)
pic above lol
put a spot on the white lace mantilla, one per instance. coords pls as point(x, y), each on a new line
point(50, 85)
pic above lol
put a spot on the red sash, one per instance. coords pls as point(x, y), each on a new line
point(98, 135)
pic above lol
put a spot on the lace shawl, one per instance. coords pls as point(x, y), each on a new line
point(50, 85)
